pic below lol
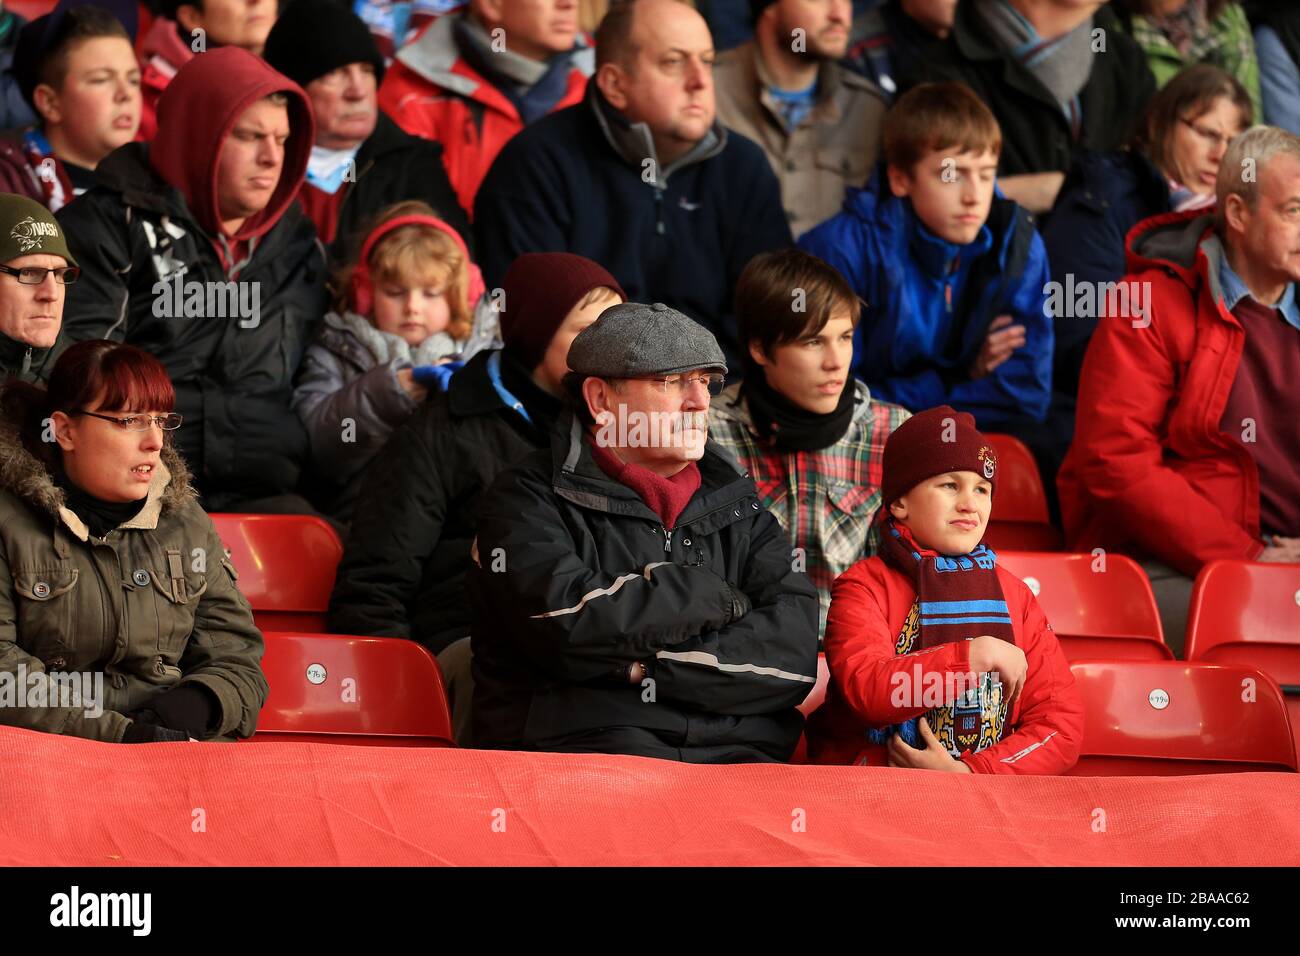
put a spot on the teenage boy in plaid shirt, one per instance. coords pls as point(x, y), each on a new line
point(810, 434)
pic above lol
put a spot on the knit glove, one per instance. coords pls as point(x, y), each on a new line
point(142, 733)
point(436, 377)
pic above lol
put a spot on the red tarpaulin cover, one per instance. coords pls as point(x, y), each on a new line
point(76, 802)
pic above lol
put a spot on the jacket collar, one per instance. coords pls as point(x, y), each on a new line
point(577, 478)
point(19, 358)
point(1170, 241)
point(634, 143)
point(434, 56)
point(26, 478)
point(825, 108)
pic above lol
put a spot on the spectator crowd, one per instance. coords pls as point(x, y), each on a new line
point(639, 350)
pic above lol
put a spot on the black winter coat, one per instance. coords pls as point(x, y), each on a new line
point(407, 551)
point(1035, 132)
point(392, 166)
point(575, 578)
point(233, 375)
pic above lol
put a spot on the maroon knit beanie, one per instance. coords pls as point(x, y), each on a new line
point(541, 289)
point(933, 442)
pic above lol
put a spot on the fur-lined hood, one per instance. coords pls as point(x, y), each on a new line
point(25, 477)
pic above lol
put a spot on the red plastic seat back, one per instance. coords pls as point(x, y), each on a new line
point(369, 690)
point(286, 566)
point(1248, 614)
point(1175, 717)
point(1100, 607)
point(1020, 496)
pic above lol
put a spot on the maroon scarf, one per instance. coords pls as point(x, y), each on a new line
point(666, 497)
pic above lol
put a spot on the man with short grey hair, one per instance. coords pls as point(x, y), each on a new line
point(630, 593)
point(1186, 442)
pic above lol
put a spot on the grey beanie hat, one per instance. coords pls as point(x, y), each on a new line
point(631, 340)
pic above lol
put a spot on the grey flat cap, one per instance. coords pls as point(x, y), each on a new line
point(632, 339)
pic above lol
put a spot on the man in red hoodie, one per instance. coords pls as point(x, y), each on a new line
point(473, 79)
point(195, 27)
point(193, 248)
point(1186, 444)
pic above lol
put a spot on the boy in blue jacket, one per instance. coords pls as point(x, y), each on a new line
point(954, 275)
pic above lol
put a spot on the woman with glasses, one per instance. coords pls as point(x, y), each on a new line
point(35, 265)
point(120, 619)
point(1170, 167)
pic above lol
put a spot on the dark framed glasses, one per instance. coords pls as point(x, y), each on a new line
point(35, 275)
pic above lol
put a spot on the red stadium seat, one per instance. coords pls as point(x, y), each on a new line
point(330, 688)
point(1097, 615)
point(1248, 614)
point(286, 566)
point(1020, 519)
point(1172, 718)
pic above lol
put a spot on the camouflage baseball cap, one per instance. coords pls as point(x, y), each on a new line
point(28, 228)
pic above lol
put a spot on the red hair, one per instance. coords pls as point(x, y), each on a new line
point(117, 376)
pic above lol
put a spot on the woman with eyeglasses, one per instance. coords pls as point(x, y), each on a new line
point(1171, 166)
point(120, 619)
point(35, 265)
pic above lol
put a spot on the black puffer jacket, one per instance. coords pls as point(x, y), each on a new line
point(575, 578)
point(404, 562)
point(392, 166)
point(234, 384)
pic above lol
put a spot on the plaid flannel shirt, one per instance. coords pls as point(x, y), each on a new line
point(825, 500)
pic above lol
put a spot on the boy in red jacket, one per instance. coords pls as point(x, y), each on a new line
point(939, 659)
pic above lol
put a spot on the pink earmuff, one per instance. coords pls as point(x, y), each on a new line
point(363, 294)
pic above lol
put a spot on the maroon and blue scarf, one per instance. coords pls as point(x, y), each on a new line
point(959, 597)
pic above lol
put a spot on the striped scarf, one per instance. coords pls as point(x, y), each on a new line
point(959, 597)
point(956, 598)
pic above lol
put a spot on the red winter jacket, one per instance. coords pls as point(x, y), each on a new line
point(431, 91)
point(163, 52)
point(869, 606)
point(1150, 473)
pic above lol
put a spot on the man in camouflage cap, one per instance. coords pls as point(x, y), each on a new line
point(36, 267)
point(630, 594)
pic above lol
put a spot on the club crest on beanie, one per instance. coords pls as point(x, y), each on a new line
point(934, 442)
point(28, 228)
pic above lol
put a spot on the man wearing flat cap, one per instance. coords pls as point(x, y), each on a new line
point(630, 594)
point(35, 265)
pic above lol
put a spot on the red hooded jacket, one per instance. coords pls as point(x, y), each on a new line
point(431, 91)
point(195, 115)
point(1150, 473)
point(869, 606)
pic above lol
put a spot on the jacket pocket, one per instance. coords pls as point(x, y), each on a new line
point(176, 602)
point(846, 522)
point(46, 613)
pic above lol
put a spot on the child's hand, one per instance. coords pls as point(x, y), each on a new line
point(410, 386)
point(1003, 339)
point(992, 655)
point(934, 757)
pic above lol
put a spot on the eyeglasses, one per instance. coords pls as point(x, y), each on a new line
point(139, 423)
point(35, 275)
point(713, 381)
point(1211, 137)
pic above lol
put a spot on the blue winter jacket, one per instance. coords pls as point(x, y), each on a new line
point(929, 304)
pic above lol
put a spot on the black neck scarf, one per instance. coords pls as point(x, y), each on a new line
point(791, 428)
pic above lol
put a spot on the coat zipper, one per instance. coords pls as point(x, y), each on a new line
point(668, 541)
point(659, 211)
